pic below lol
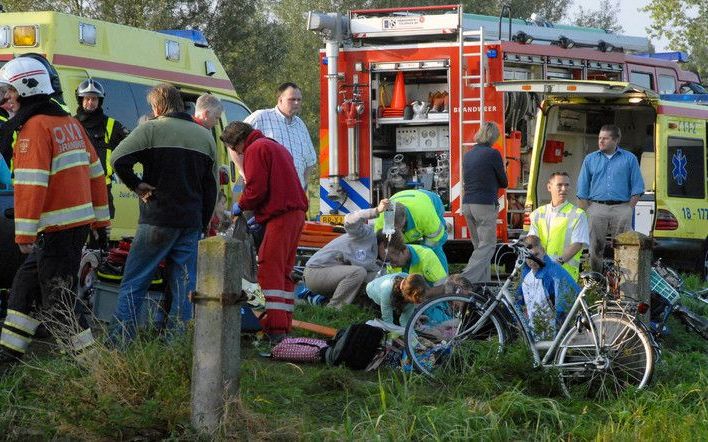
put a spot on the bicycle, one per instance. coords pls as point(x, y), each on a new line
point(666, 290)
point(599, 350)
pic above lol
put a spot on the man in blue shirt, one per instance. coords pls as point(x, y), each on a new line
point(609, 186)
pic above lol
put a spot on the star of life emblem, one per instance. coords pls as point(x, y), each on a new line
point(679, 172)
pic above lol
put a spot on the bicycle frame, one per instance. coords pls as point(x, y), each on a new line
point(505, 297)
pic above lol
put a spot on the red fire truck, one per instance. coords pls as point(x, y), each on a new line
point(404, 91)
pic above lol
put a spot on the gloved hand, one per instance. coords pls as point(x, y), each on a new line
point(235, 210)
point(253, 226)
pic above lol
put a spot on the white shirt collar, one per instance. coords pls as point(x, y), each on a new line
point(287, 120)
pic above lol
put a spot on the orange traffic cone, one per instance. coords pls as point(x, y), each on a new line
point(399, 100)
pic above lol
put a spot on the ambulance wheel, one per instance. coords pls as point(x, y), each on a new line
point(10, 255)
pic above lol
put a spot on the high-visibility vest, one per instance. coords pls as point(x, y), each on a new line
point(426, 210)
point(110, 122)
point(14, 140)
point(423, 262)
point(63, 106)
point(556, 237)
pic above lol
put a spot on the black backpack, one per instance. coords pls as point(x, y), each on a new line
point(354, 346)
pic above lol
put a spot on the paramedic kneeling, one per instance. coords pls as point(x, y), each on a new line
point(547, 291)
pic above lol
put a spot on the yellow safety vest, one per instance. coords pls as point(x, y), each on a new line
point(110, 122)
point(423, 262)
point(14, 140)
point(63, 106)
point(556, 237)
point(427, 226)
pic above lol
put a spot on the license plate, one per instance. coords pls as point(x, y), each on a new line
point(332, 219)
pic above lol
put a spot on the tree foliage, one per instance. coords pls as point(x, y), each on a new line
point(605, 17)
point(684, 23)
point(262, 43)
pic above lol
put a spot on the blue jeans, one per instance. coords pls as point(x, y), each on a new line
point(151, 245)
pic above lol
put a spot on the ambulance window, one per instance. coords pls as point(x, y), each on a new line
point(685, 172)
point(234, 111)
point(667, 84)
point(642, 79)
point(119, 102)
point(140, 92)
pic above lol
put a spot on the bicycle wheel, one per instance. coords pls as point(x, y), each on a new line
point(438, 335)
point(625, 358)
point(693, 321)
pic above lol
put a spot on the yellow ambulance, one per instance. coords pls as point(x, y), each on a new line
point(127, 61)
point(667, 133)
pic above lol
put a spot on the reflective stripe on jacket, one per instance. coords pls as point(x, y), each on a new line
point(59, 180)
point(425, 222)
point(14, 140)
point(110, 122)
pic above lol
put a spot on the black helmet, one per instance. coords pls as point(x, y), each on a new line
point(90, 86)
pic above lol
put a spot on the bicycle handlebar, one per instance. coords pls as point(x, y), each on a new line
point(522, 250)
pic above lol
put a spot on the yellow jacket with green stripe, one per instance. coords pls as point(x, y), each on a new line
point(424, 262)
point(424, 223)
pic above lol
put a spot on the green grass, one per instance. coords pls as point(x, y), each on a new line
point(144, 394)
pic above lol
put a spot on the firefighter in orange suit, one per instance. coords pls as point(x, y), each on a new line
point(60, 195)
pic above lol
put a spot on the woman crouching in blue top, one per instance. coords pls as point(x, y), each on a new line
point(397, 293)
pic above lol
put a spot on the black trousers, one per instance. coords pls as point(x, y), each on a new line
point(48, 278)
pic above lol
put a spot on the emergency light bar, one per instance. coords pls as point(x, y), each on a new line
point(197, 37)
point(686, 98)
point(678, 56)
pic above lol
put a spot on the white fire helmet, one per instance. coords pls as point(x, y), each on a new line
point(27, 75)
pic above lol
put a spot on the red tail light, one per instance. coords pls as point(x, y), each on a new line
point(665, 220)
point(223, 176)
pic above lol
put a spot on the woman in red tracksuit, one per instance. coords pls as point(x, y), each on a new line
point(273, 192)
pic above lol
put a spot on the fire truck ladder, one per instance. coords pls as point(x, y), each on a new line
point(471, 87)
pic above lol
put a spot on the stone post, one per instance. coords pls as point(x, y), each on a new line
point(633, 254)
point(217, 331)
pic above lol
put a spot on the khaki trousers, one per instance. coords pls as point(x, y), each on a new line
point(482, 224)
point(604, 219)
point(341, 284)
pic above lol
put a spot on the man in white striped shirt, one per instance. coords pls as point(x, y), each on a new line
point(282, 124)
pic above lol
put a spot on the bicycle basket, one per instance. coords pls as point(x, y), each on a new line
point(663, 288)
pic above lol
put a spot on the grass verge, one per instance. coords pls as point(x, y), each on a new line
point(143, 394)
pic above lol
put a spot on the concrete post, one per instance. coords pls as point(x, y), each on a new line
point(217, 331)
point(633, 254)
